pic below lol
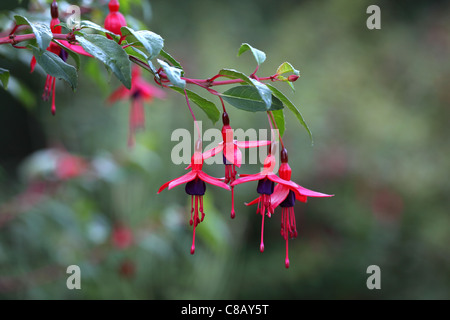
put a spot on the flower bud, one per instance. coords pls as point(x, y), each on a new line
point(284, 155)
point(54, 10)
point(293, 77)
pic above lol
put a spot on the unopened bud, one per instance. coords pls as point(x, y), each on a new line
point(225, 119)
point(54, 10)
point(293, 77)
point(284, 155)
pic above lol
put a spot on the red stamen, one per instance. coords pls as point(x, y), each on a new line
point(46, 93)
point(201, 208)
point(192, 210)
point(53, 96)
point(261, 246)
point(195, 224)
point(233, 213)
point(286, 261)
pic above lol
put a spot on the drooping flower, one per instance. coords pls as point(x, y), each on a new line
point(195, 181)
point(286, 192)
point(70, 166)
point(114, 20)
point(50, 82)
point(140, 92)
point(231, 154)
point(266, 183)
point(122, 236)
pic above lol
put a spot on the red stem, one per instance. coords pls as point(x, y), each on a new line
point(14, 39)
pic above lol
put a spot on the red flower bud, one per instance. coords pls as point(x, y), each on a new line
point(293, 77)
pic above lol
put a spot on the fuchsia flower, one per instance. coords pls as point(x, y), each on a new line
point(284, 195)
point(70, 166)
point(50, 82)
point(232, 156)
point(195, 187)
point(114, 20)
point(266, 182)
point(140, 91)
point(122, 236)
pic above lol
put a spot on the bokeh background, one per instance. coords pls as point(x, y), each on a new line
point(377, 102)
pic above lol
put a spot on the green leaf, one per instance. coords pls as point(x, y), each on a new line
point(108, 52)
point(259, 55)
point(264, 92)
point(173, 74)
point(248, 98)
point(4, 77)
point(91, 25)
point(286, 80)
point(286, 67)
point(171, 59)
point(64, 27)
point(41, 31)
point(207, 106)
point(152, 42)
point(233, 74)
point(291, 107)
point(56, 67)
point(135, 52)
point(278, 115)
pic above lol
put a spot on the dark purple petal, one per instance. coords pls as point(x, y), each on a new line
point(63, 55)
point(225, 160)
point(136, 94)
point(289, 201)
point(195, 187)
point(265, 186)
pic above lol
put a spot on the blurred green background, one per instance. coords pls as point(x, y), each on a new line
point(377, 102)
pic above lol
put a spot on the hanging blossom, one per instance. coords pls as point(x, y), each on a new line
point(195, 181)
point(285, 193)
point(69, 166)
point(140, 92)
point(114, 20)
point(266, 183)
point(122, 236)
point(50, 82)
point(231, 154)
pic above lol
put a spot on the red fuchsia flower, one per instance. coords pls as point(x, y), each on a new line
point(50, 82)
point(266, 183)
point(284, 195)
point(122, 236)
point(195, 187)
point(140, 92)
point(114, 20)
point(69, 166)
point(232, 156)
